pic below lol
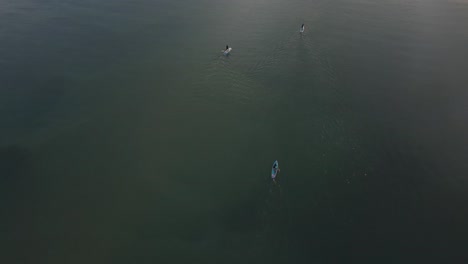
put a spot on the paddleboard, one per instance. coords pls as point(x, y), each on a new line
point(274, 169)
point(226, 52)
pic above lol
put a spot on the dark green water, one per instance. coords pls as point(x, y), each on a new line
point(126, 137)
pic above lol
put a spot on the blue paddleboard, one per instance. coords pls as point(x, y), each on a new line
point(274, 169)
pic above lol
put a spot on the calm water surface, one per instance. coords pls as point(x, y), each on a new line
point(126, 136)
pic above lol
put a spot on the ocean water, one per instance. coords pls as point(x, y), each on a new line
point(127, 137)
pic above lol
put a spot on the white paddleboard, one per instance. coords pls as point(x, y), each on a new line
point(226, 52)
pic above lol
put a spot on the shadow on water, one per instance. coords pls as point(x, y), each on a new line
point(14, 161)
point(271, 221)
point(16, 192)
point(23, 115)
